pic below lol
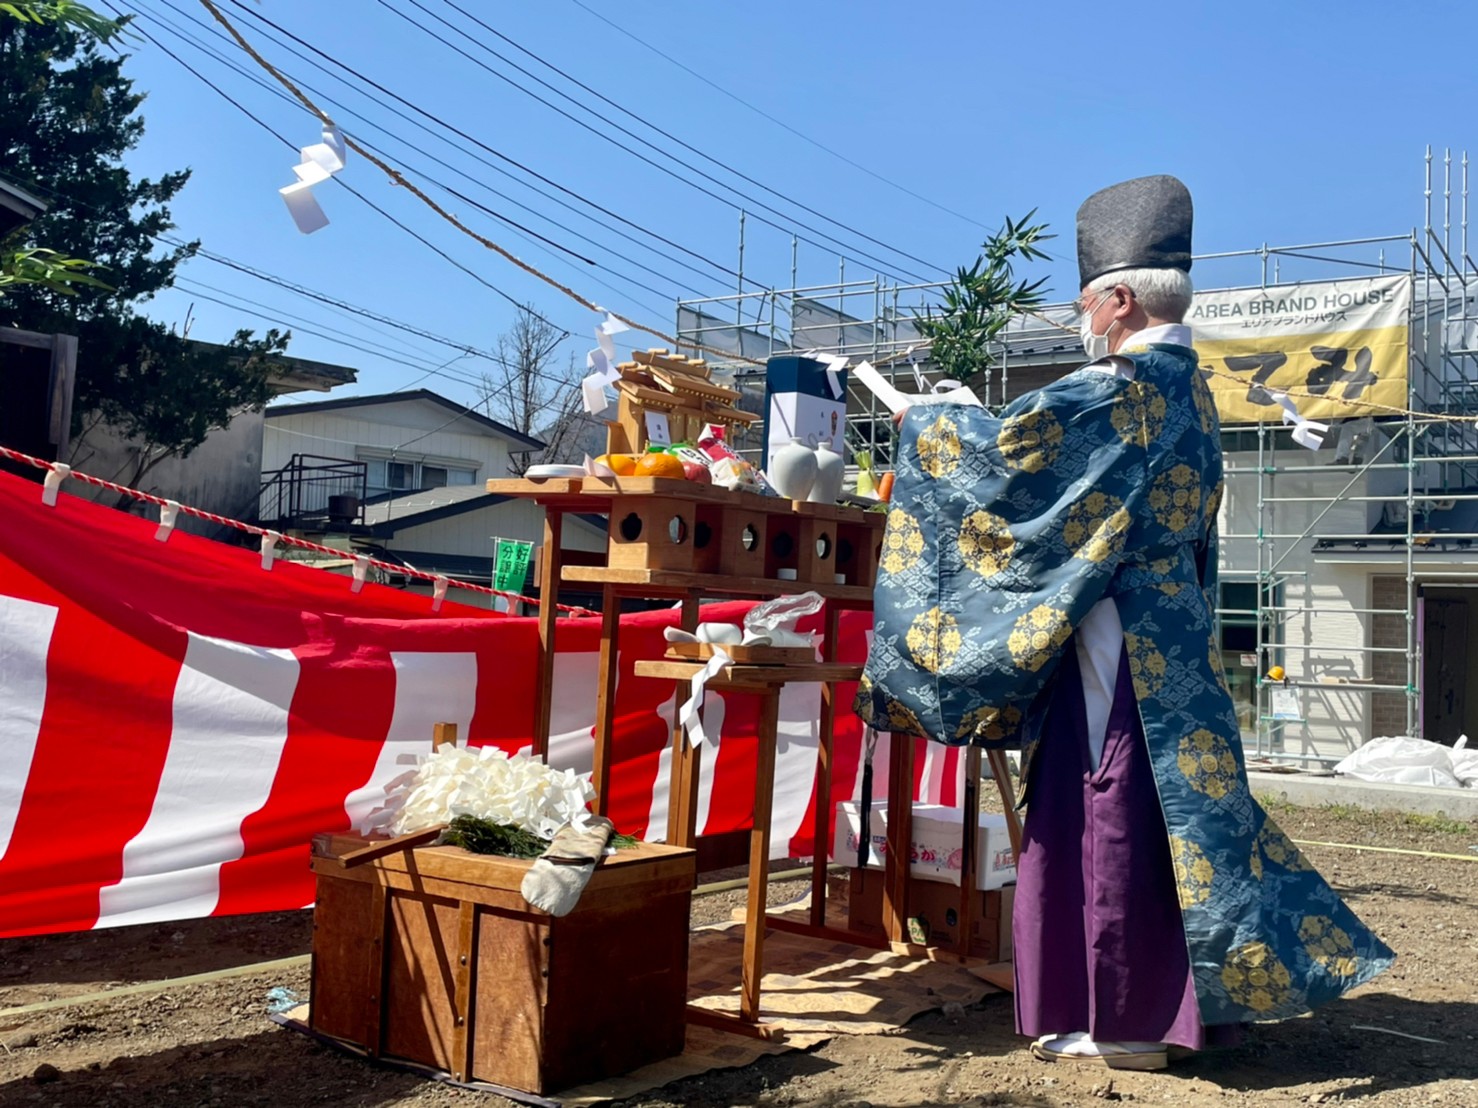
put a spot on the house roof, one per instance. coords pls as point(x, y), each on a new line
point(277, 411)
point(293, 374)
point(383, 518)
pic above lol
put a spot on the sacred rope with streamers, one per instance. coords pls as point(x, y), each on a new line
point(65, 472)
point(398, 178)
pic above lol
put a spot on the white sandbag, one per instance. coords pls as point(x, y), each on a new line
point(1402, 761)
point(1465, 762)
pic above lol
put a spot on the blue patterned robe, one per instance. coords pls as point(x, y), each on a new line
point(1003, 533)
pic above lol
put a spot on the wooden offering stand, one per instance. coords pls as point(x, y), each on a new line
point(681, 540)
point(430, 956)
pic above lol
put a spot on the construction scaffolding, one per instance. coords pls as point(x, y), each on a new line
point(1325, 556)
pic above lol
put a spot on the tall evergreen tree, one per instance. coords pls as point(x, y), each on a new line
point(68, 118)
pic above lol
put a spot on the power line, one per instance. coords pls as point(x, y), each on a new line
point(655, 164)
point(484, 146)
point(778, 122)
point(352, 190)
point(400, 179)
point(648, 123)
point(381, 103)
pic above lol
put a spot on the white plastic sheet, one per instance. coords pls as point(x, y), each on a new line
point(1406, 761)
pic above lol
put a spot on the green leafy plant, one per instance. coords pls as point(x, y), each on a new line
point(35, 265)
point(981, 300)
point(67, 13)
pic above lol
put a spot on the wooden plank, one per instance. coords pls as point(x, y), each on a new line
point(684, 383)
point(750, 676)
point(753, 968)
point(821, 828)
point(617, 989)
point(871, 939)
point(420, 979)
point(900, 837)
point(643, 861)
point(737, 1025)
point(661, 359)
point(534, 486)
point(549, 578)
point(375, 972)
point(712, 584)
point(466, 955)
point(744, 655)
point(605, 698)
point(512, 982)
point(682, 806)
point(1001, 773)
point(365, 854)
point(442, 734)
point(343, 933)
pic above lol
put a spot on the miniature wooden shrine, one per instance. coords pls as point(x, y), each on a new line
point(658, 383)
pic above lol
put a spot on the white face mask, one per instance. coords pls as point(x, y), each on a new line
point(1095, 346)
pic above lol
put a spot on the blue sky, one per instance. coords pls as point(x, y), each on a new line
point(1290, 122)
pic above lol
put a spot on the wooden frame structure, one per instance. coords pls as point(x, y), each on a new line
point(657, 504)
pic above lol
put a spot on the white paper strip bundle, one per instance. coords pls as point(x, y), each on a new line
point(320, 162)
point(690, 714)
point(486, 783)
point(946, 392)
point(1306, 432)
point(603, 372)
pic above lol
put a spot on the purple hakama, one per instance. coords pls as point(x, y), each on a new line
point(1100, 947)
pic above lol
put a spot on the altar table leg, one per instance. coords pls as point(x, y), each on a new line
point(759, 857)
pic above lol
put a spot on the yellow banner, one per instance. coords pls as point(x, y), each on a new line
point(1339, 349)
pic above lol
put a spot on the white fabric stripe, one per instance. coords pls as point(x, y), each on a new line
point(799, 734)
point(231, 706)
point(572, 715)
point(25, 640)
point(930, 779)
point(430, 688)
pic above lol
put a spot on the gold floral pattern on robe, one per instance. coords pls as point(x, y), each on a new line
point(1208, 764)
point(903, 542)
point(1329, 945)
point(990, 723)
point(1037, 636)
point(1096, 526)
point(1030, 442)
point(1193, 872)
point(1139, 414)
point(934, 640)
point(985, 543)
point(939, 447)
point(1146, 664)
point(1175, 498)
point(1254, 977)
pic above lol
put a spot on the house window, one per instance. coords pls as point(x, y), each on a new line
point(384, 475)
point(433, 477)
point(1237, 618)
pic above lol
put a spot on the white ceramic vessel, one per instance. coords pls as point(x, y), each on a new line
point(830, 470)
point(792, 471)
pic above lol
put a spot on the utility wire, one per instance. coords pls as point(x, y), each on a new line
point(398, 178)
point(257, 79)
point(480, 144)
point(778, 122)
point(352, 190)
point(648, 123)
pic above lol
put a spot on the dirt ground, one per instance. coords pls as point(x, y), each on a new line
point(211, 1043)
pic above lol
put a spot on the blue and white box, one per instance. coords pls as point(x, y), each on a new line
point(806, 399)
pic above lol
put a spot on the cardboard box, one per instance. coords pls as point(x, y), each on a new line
point(936, 848)
point(934, 914)
point(801, 403)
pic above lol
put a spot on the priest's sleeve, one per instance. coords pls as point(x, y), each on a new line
point(1003, 532)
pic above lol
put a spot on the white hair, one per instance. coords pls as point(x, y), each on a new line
point(1163, 293)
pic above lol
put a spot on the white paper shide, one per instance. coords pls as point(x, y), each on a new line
point(486, 783)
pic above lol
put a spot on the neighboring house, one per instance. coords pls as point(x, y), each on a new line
point(403, 476)
point(224, 473)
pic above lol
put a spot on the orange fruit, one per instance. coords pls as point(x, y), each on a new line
point(622, 465)
point(660, 465)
